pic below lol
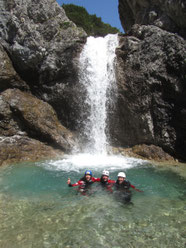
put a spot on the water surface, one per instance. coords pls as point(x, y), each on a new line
point(38, 209)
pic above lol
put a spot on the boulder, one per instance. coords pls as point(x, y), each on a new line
point(22, 112)
point(147, 152)
point(20, 148)
point(151, 152)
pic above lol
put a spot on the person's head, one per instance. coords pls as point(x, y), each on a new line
point(88, 175)
point(105, 175)
point(121, 177)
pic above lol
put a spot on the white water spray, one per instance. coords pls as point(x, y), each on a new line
point(98, 78)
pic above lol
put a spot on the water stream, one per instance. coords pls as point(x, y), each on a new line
point(38, 209)
point(98, 78)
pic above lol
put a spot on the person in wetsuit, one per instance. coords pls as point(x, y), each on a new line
point(122, 187)
point(105, 181)
point(85, 182)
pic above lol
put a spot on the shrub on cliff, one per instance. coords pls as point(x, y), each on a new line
point(92, 24)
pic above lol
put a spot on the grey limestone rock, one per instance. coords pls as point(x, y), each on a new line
point(8, 76)
point(43, 45)
point(169, 15)
point(39, 48)
point(151, 66)
point(152, 89)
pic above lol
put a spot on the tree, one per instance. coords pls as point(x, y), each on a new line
point(92, 24)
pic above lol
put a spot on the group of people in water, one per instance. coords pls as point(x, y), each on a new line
point(121, 186)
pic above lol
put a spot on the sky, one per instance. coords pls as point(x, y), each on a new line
point(106, 9)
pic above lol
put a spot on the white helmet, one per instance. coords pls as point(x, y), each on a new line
point(105, 173)
point(121, 174)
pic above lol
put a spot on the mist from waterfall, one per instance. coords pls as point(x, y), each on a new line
point(97, 76)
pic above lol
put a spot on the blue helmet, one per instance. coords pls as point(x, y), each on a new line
point(88, 172)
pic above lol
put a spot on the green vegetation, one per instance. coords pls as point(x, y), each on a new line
point(92, 24)
point(65, 25)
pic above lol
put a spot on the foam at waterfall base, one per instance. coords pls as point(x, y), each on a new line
point(94, 162)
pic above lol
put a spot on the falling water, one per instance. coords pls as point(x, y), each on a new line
point(98, 78)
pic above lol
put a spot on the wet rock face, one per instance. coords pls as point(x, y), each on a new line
point(152, 92)
point(43, 45)
point(166, 14)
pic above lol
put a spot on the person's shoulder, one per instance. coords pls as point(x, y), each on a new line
point(126, 182)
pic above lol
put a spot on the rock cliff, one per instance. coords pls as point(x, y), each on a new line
point(43, 44)
point(151, 75)
point(39, 47)
point(39, 91)
point(165, 14)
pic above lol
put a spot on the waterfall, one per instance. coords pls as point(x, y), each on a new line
point(97, 86)
point(97, 76)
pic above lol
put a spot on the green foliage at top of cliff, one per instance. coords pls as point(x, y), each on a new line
point(92, 24)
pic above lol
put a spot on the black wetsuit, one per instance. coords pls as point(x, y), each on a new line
point(122, 191)
point(83, 184)
point(107, 184)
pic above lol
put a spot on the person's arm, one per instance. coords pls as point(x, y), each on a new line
point(132, 186)
point(73, 185)
point(69, 182)
point(95, 179)
point(111, 181)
